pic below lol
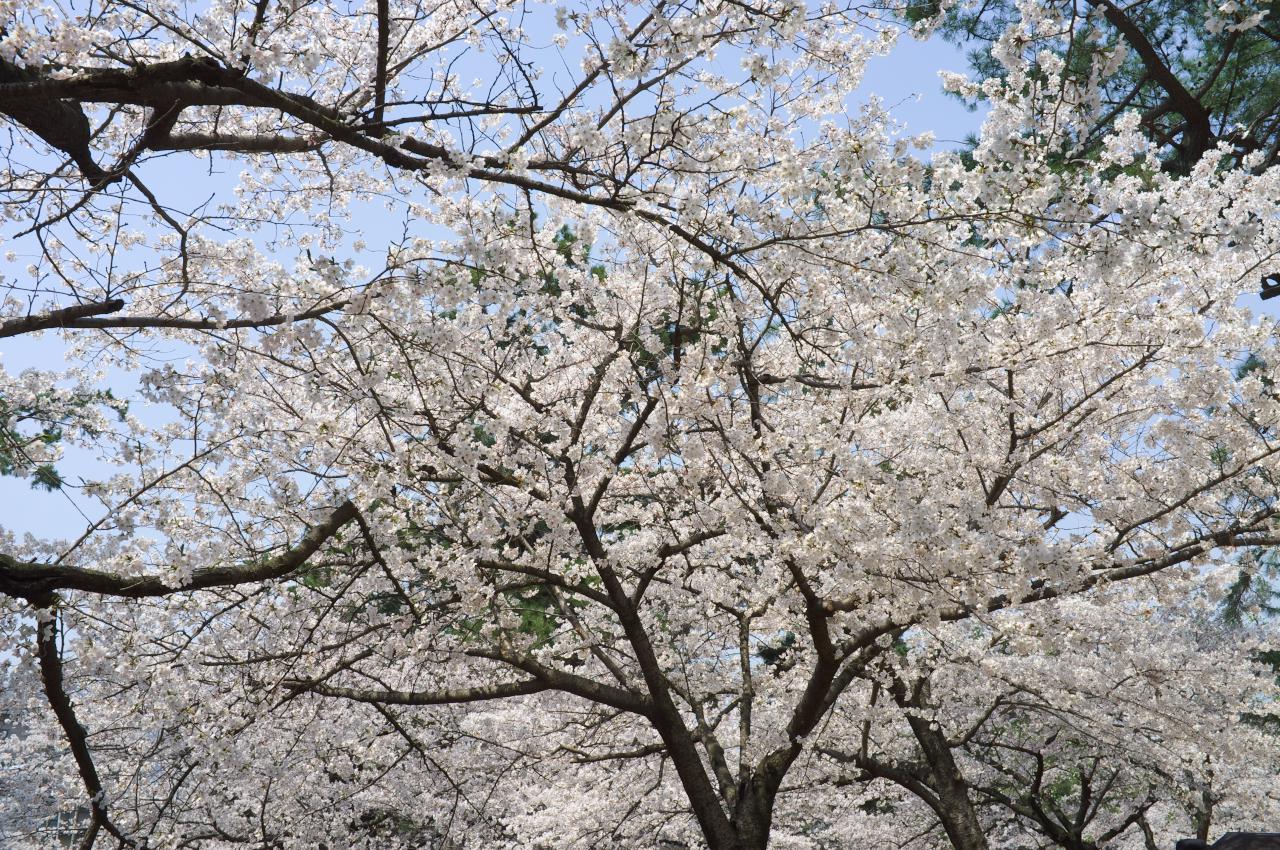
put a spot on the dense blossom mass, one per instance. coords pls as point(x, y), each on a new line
point(584, 426)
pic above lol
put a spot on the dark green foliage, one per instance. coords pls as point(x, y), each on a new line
point(878, 806)
point(1266, 720)
point(1194, 83)
point(45, 476)
point(774, 653)
point(42, 423)
point(539, 615)
point(1251, 365)
point(1253, 594)
point(484, 437)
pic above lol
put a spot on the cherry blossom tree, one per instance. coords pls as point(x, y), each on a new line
point(578, 427)
point(1012, 738)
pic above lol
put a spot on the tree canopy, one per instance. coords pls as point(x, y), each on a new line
point(577, 427)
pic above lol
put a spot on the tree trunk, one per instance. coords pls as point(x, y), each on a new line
point(753, 804)
point(954, 809)
point(953, 805)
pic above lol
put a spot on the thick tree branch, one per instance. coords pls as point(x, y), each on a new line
point(26, 580)
point(61, 123)
point(380, 72)
point(262, 143)
point(1199, 135)
point(571, 683)
point(479, 693)
point(60, 318)
point(85, 317)
point(666, 718)
point(204, 82)
point(50, 659)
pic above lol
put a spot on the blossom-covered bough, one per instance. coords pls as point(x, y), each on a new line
point(576, 429)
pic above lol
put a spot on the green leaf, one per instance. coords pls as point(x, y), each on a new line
point(46, 477)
